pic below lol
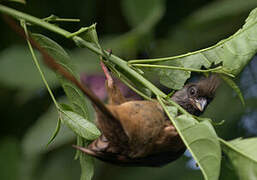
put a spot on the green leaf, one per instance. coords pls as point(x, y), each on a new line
point(57, 129)
point(173, 111)
point(18, 1)
point(79, 125)
point(37, 136)
point(199, 137)
point(233, 85)
point(88, 34)
point(233, 53)
point(55, 51)
point(227, 170)
point(18, 70)
point(77, 121)
point(202, 142)
point(86, 161)
point(91, 35)
point(200, 30)
point(167, 77)
point(73, 93)
point(87, 166)
point(242, 154)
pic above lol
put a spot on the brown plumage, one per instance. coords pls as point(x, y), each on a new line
point(142, 135)
point(195, 97)
point(134, 133)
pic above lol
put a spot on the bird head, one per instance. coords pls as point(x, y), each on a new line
point(194, 97)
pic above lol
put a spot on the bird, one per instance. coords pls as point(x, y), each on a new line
point(141, 133)
point(133, 132)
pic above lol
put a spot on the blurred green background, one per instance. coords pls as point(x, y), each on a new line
point(132, 29)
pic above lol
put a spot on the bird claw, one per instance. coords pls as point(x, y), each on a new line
point(114, 93)
point(109, 79)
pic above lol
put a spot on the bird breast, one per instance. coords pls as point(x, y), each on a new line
point(146, 126)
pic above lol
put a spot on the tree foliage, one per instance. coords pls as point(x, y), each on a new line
point(228, 58)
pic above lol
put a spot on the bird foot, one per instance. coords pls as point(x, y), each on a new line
point(109, 79)
point(114, 93)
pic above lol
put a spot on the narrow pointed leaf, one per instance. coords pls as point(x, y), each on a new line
point(57, 129)
point(233, 85)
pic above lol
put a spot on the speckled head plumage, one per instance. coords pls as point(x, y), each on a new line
point(194, 97)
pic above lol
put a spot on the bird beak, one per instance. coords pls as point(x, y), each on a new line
point(200, 103)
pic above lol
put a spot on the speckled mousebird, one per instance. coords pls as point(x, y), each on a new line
point(142, 134)
point(134, 133)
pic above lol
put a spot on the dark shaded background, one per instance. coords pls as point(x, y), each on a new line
point(133, 29)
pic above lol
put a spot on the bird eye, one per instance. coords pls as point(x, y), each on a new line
point(192, 91)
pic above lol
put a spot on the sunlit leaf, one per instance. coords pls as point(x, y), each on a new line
point(199, 29)
point(232, 53)
point(74, 94)
point(202, 142)
point(79, 120)
point(242, 154)
point(79, 125)
point(167, 77)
